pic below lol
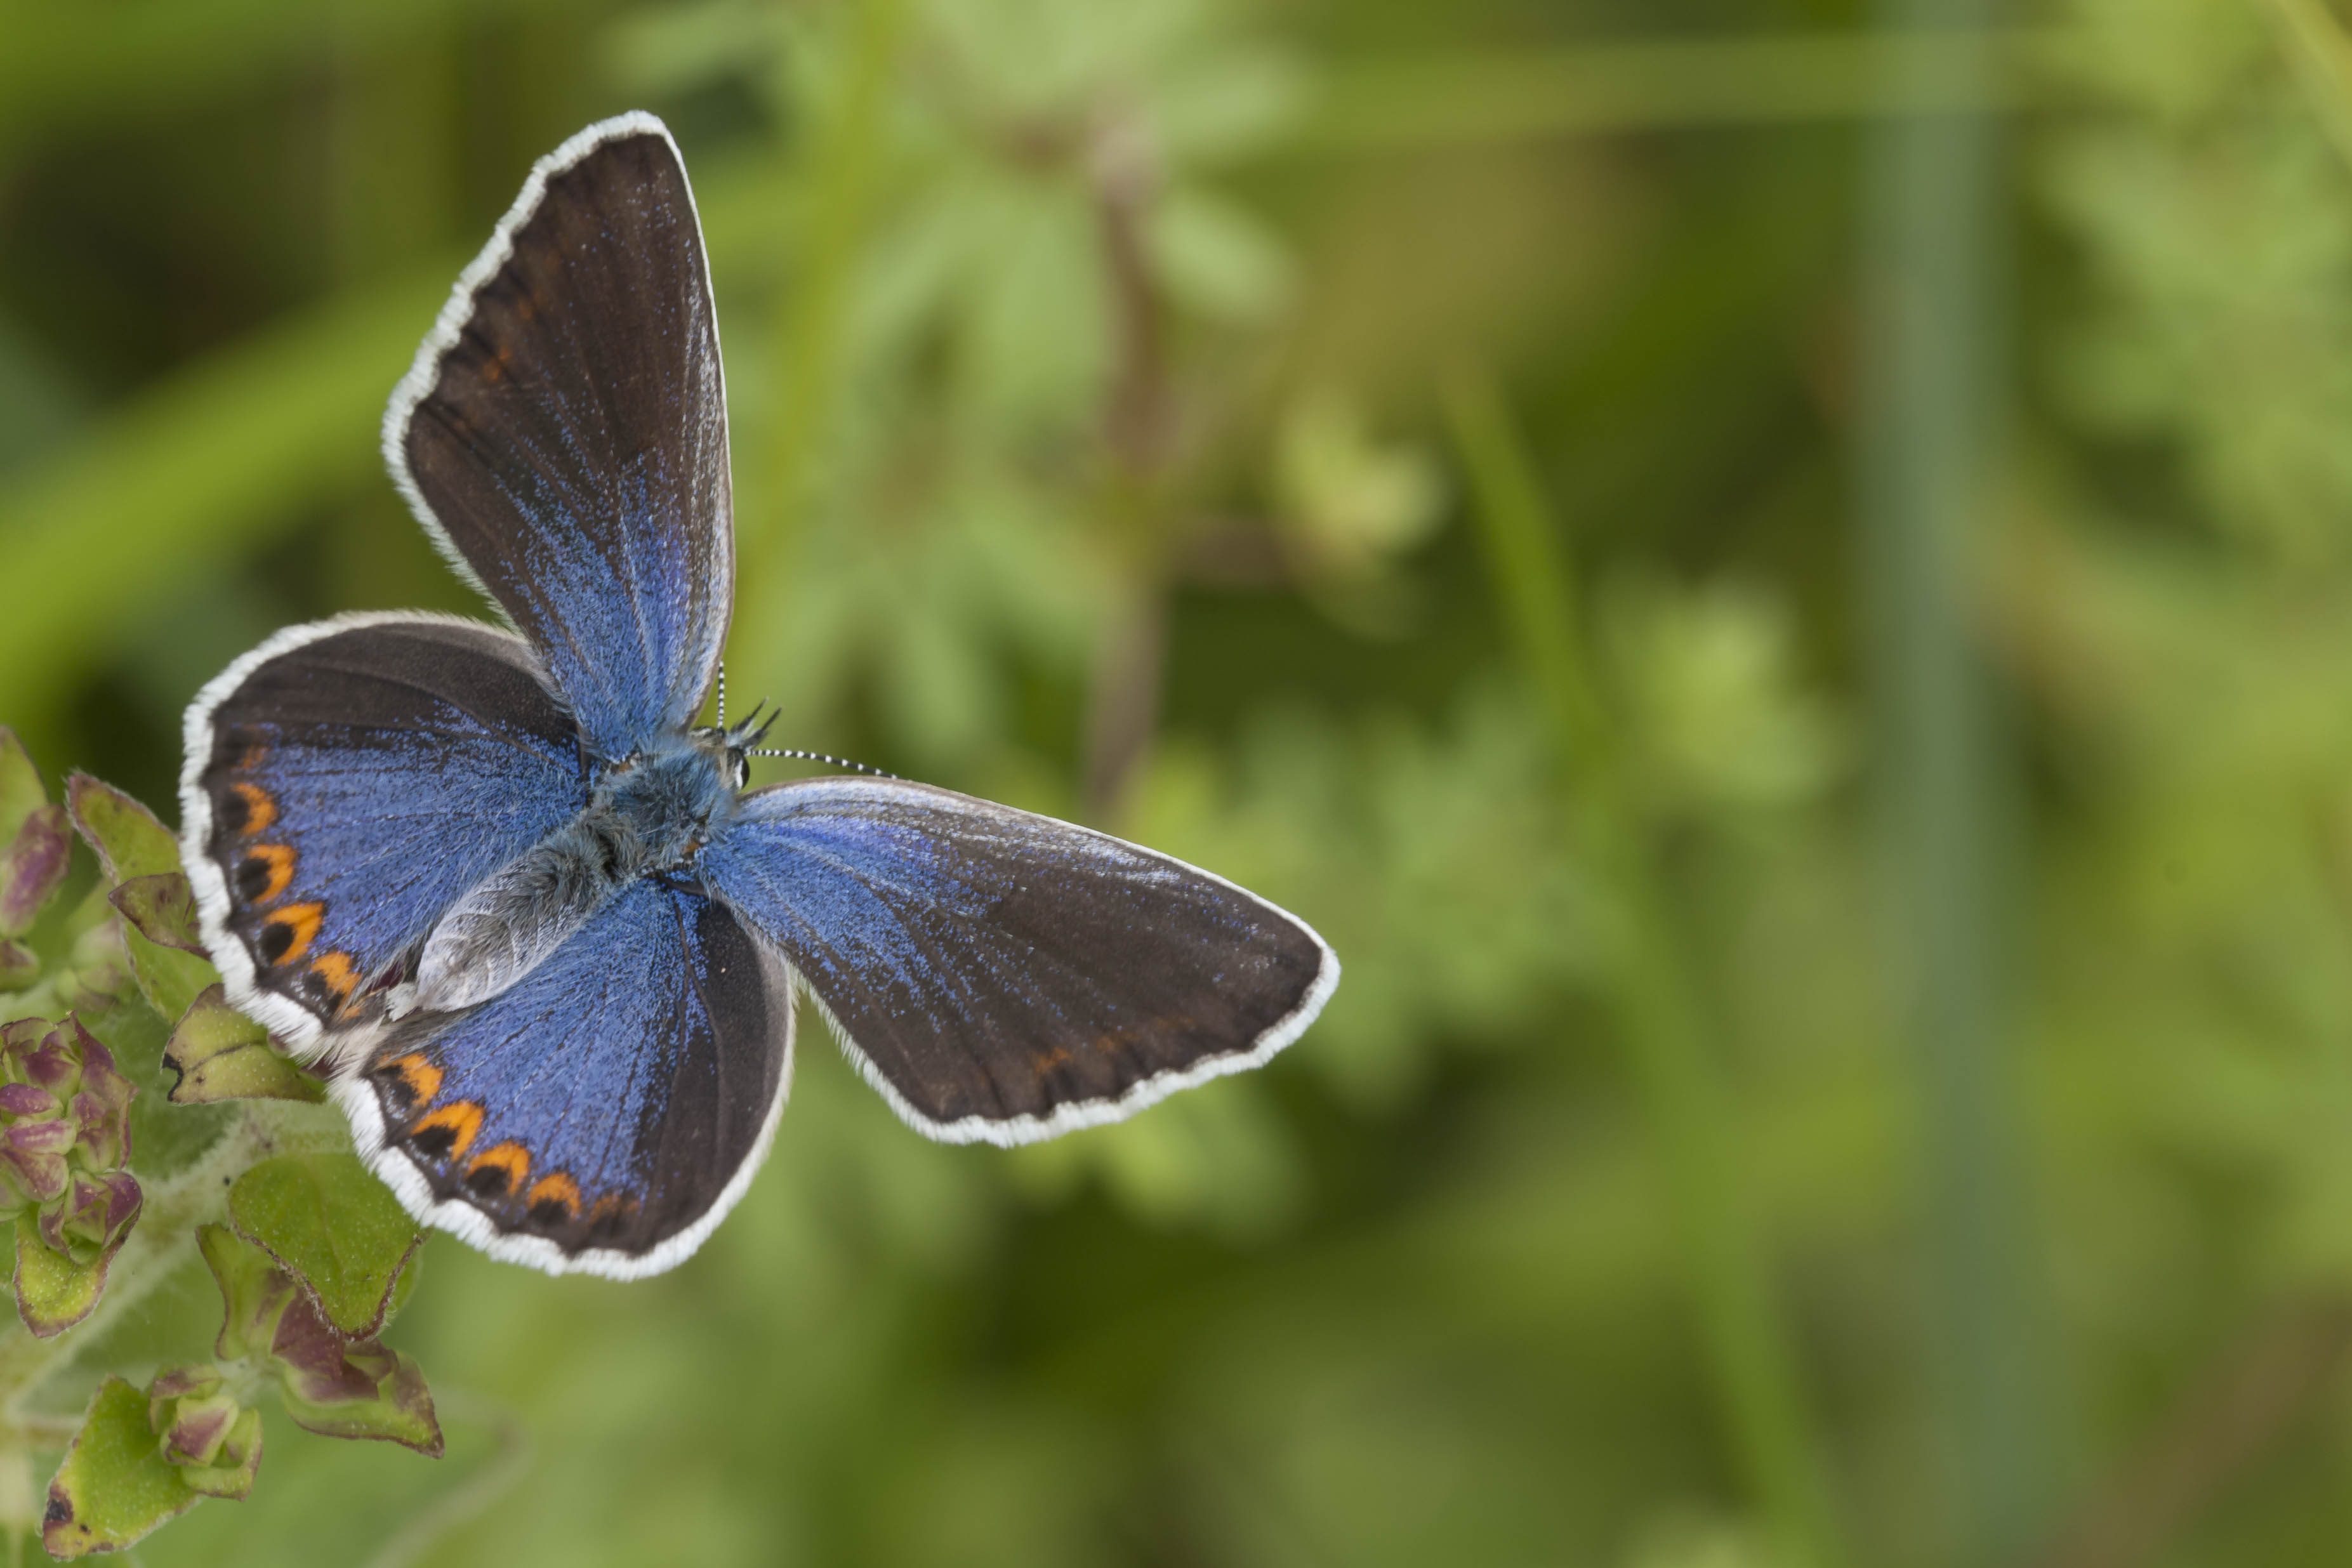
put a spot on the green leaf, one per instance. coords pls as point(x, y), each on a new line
point(115, 1485)
point(130, 840)
point(53, 1292)
point(254, 1292)
point(332, 1226)
point(21, 794)
point(218, 1053)
point(170, 979)
point(340, 1389)
point(162, 909)
point(133, 845)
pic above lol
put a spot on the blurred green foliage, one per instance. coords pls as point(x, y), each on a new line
point(1088, 371)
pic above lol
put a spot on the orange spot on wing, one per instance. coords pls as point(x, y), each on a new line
point(299, 925)
point(419, 1078)
point(259, 811)
point(250, 757)
point(558, 1189)
point(335, 969)
point(461, 1122)
point(510, 1157)
point(277, 861)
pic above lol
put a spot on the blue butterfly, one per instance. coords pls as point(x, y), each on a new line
point(526, 911)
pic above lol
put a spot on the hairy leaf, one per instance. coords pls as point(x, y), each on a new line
point(332, 1226)
point(342, 1389)
point(161, 908)
point(218, 1053)
point(131, 842)
point(115, 1484)
point(53, 1292)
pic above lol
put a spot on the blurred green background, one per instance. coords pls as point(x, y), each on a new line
point(1775, 574)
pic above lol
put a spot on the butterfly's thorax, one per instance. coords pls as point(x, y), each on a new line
point(653, 810)
point(648, 814)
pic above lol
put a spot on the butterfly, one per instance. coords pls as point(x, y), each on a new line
point(525, 911)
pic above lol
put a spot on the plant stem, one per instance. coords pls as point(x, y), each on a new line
point(1652, 994)
point(1928, 373)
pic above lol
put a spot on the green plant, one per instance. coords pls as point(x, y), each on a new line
point(117, 1058)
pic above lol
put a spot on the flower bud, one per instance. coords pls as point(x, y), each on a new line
point(65, 1134)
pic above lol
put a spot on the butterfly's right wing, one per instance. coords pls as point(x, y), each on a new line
point(344, 782)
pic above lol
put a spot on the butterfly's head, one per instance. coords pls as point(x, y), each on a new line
point(735, 742)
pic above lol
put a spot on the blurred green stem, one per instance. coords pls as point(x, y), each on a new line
point(2321, 52)
point(1652, 993)
point(1123, 704)
point(1928, 374)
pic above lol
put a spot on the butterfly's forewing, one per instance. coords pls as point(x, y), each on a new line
point(1004, 976)
point(564, 433)
point(606, 1113)
point(344, 781)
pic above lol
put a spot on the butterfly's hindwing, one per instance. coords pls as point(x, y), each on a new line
point(564, 434)
point(346, 781)
point(604, 1113)
point(1004, 976)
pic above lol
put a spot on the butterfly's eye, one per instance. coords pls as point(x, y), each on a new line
point(743, 771)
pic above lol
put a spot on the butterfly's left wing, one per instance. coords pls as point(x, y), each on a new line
point(605, 1113)
point(564, 433)
point(1003, 977)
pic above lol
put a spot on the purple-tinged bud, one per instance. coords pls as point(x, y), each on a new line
point(50, 1064)
point(216, 1442)
point(95, 1217)
point(24, 1099)
point(32, 867)
point(54, 1136)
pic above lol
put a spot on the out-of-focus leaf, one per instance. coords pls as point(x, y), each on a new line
point(20, 785)
point(334, 1227)
point(218, 1053)
point(1350, 503)
point(32, 867)
point(1216, 259)
point(53, 1292)
point(115, 1484)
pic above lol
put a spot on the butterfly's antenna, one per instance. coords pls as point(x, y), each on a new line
point(722, 694)
point(820, 757)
